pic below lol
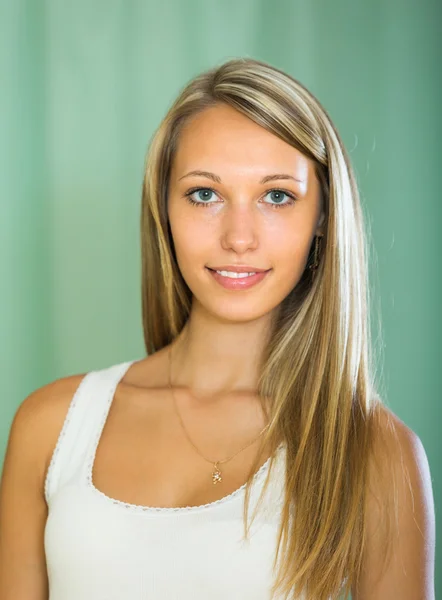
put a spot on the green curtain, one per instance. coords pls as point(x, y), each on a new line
point(83, 85)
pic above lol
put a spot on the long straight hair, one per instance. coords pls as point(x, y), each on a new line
point(319, 366)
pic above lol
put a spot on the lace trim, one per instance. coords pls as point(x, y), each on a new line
point(174, 509)
point(61, 436)
point(156, 509)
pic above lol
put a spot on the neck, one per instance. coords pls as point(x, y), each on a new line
point(213, 358)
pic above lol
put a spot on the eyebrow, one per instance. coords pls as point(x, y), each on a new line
point(217, 179)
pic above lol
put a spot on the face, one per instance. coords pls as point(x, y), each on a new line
point(234, 214)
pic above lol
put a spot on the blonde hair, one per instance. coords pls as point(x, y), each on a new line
point(318, 368)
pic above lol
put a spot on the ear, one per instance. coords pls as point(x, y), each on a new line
point(319, 227)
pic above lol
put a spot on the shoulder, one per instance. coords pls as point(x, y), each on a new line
point(38, 421)
point(400, 522)
point(23, 508)
point(398, 451)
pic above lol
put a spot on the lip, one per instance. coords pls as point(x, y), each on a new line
point(241, 283)
point(239, 269)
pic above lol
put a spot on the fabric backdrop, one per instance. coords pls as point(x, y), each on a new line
point(83, 85)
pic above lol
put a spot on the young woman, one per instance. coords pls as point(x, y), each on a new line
point(257, 391)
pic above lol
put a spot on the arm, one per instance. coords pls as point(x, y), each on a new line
point(408, 573)
point(23, 509)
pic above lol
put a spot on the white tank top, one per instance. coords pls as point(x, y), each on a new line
point(100, 548)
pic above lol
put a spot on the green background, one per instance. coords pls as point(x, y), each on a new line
point(84, 84)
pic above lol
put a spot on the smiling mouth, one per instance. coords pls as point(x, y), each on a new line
point(239, 273)
point(237, 281)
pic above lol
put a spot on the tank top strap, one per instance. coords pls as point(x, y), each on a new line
point(88, 407)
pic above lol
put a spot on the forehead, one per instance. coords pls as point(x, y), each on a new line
point(222, 137)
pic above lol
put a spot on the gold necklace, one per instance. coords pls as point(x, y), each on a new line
point(216, 473)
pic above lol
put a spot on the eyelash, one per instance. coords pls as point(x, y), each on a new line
point(198, 189)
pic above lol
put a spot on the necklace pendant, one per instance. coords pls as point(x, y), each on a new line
point(216, 475)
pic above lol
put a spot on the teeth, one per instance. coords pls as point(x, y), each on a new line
point(234, 275)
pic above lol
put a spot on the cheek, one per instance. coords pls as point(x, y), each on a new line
point(285, 247)
point(290, 248)
point(193, 241)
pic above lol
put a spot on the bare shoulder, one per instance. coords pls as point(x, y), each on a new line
point(400, 546)
point(39, 418)
point(23, 510)
point(398, 451)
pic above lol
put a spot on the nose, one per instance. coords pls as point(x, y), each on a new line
point(239, 228)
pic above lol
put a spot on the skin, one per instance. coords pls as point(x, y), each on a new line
point(143, 456)
point(227, 329)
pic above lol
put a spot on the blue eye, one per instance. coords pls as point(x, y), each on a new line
point(279, 194)
point(205, 195)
